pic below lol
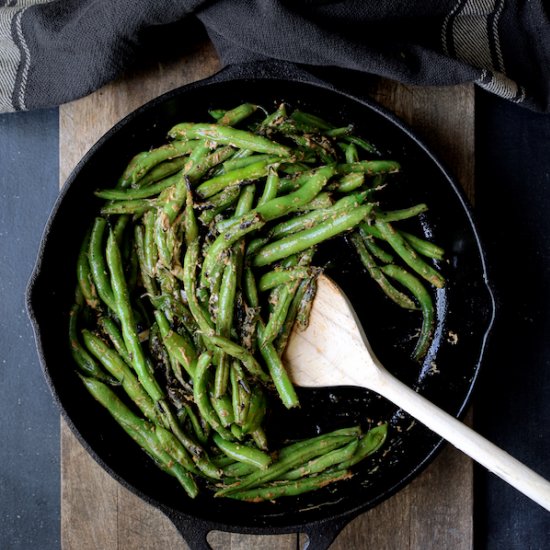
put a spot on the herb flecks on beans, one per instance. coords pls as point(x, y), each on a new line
point(200, 263)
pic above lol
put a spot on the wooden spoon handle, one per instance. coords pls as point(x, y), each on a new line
point(471, 443)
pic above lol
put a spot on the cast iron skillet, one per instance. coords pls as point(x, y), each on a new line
point(465, 309)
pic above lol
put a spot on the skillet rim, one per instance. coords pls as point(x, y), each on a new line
point(292, 76)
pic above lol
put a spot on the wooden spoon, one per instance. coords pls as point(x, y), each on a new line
point(334, 351)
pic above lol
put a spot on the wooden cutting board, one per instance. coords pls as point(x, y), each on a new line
point(433, 512)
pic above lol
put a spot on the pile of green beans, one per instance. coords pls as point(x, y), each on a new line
point(197, 268)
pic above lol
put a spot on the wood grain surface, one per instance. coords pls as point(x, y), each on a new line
point(433, 512)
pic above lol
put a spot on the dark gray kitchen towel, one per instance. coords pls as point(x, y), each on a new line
point(54, 51)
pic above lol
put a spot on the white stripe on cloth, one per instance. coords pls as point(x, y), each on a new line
point(475, 39)
point(9, 58)
point(11, 55)
point(471, 33)
point(502, 86)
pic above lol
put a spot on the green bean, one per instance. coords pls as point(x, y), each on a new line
point(260, 439)
point(193, 169)
point(349, 182)
point(132, 262)
point(82, 358)
point(271, 186)
point(141, 431)
point(305, 305)
point(283, 465)
point(277, 277)
point(229, 136)
point(369, 167)
point(237, 114)
point(345, 435)
point(169, 205)
point(284, 294)
point(246, 200)
point(98, 267)
point(224, 409)
point(126, 315)
point(212, 268)
point(201, 431)
point(289, 488)
point(276, 369)
point(110, 328)
point(339, 132)
point(278, 373)
point(307, 238)
point(237, 470)
point(84, 275)
point(280, 206)
point(240, 353)
point(378, 276)
point(284, 334)
point(243, 453)
point(147, 160)
point(165, 241)
point(198, 454)
point(378, 252)
point(368, 444)
point(310, 121)
point(140, 192)
point(304, 221)
point(150, 253)
point(208, 162)
point(272, 119)
point(293, 168)
point(234, 161)
point(426, 248)
point(373, 248)
point(241, 162)
point(240, 393)
point(224, 321)
point(216, 114)
point(403, 214)
point(249, 287)
point(202, 399)
point(175, 449)
point(351, 153)
point(219, 202)
point(136, 206)
point(256, 410)
point(323, 462)
point(199, 314)
point(314, 144)
point(423, 297)
point(118, 368)
point(178, 345)
point(408, 254)
point(322, 200)
point(247, 173)
point(162, 171)
point(362, 143)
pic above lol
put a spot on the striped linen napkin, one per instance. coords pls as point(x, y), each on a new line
point(52, 52)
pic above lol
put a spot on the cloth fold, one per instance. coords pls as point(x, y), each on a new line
point(52, 52)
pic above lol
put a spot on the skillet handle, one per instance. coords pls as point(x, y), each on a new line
point(322, 535)
point(194, 532)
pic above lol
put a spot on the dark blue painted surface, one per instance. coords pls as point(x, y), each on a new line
point(513, 400)
point(29, 432)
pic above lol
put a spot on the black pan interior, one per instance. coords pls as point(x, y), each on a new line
point(446, 377)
